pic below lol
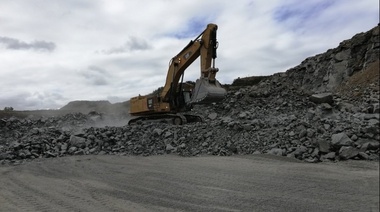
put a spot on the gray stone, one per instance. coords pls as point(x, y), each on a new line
point(50, 154)
point(93, 150)
point(79, 152)
point(303, 133)
point(371, 145)
point(102, 152)
point(72, 149)
point(342, 55)
point(64, 147)
point(182, 146)
point(291, 134)
point(212, 116)
point(256, 152)
point(4, 156)
point(168, 134)
point(247, 127)
point(21, 155)
point(326, 106)
point(276, 151)
point(310, 133)
point(330, 156)
point(344, 106)
point(354, 137)
point(292, 117)
point(363, 155)
point(169, 148)
point(300, 150)
point(373, 122)
point(157, 132)
point(231, 147)
point(227, 119)
point(28, 154)
point(371, 131)
point(311, 160)
point(374, 157)
point(373, 108)
point(16, 145)
point(208, 134)
point(77, 141)
point(340, 139)
point(371, 116)
point(348, 152)
point(324, 146)
point(322, 98)
point(315, 152)
point(376, 108)
point(243, 115)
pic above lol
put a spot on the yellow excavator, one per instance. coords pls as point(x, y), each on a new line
point(177, 97)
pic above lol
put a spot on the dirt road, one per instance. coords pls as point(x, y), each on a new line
point(172, 183)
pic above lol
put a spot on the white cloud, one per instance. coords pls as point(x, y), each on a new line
point(55, 51)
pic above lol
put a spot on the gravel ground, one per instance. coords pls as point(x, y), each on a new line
point(173, 183)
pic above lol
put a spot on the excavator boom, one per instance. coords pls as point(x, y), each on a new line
point(177, 96)
point(207, 87)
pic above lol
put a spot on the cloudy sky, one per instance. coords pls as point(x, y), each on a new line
point(56, 51)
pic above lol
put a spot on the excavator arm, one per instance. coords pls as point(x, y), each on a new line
point(172, 97)
point(205, 46)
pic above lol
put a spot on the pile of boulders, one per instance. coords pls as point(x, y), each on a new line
point(261, 119)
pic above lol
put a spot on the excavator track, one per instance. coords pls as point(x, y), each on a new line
point(176, 119)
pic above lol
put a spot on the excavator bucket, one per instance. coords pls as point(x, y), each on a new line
point(207, 92)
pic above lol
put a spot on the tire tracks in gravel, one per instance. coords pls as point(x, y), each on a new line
point(43, 199)
point(171, 183)
point(149, 190)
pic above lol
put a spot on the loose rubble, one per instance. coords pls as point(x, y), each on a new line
point(282, 122)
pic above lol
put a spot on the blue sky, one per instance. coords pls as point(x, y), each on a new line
point(305, 10)
point(53, 52)
point(192, 28)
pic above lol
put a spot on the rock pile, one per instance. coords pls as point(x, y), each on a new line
point(262, 119)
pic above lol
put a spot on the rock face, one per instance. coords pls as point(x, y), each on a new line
point(300, 114)
point(325, 72)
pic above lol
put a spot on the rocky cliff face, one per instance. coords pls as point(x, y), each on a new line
point(325, 72)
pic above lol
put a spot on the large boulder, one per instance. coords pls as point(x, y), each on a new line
point(324, 146)
point(340, 139)
point(348, 152)
point(322, 98)
point(76, 141)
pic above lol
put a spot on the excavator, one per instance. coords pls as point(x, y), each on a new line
point(178, 97)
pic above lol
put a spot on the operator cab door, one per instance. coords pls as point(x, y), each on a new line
point(187, 96)
point(150, 103)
